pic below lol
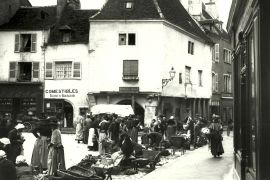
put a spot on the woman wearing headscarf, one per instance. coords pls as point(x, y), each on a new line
point(43, 133)
point(216, 137)
point(79, 128)
point(56, 157)
point(103, 132)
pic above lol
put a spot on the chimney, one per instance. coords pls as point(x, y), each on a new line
point(59, 8)
point(211, 8)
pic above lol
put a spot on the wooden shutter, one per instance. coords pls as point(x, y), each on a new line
point(76, 70)
point(12, 70)
point(49, 70)
point(33, 42)
point(217, 52)
point(17, 43)
point(35, 70)
point(130, 68)
point(216, 83)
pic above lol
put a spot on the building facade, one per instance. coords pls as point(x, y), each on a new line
point(44, 61)
point(222, 99)
point(22, 59)
point(249, 32)
point(134, 47)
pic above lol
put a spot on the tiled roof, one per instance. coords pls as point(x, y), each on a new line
point(115, 10)
point(175, 13)
point(206, 15)
point(172, 11)
point(32, 18)
point(77, 21)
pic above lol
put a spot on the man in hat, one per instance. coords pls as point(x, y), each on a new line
point(16, 142)
point(7, 168)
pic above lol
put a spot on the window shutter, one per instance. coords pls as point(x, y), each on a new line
point(217, 82)
point(49, 70)
point(17, 43)
point(217, 52)
point(35, 70)
point(33, 42)
point(77, 70)
point(12, 70)
point(130, 68)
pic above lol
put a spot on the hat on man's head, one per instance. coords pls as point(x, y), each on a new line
point(172, 117)
point(2, 154)
point(19, 126)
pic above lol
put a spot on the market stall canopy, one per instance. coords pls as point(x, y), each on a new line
point(121, 110)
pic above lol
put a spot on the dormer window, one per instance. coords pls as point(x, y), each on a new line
point(66, 37)
point(129, 5)
point(66, 33)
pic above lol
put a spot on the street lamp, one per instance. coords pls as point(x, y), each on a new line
point(172, 75)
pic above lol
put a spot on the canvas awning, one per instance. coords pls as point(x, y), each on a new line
point(121, 110)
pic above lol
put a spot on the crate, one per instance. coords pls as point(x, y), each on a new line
point(178, 141)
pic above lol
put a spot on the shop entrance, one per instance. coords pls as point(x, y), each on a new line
point(68, 114)
point(139, 110)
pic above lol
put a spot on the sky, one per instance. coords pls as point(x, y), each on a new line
point(223, 6)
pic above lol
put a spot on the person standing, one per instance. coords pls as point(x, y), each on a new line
point(40, 151)
point(114, 129)
point(171, 128)
point(86, 127)
point(79, 128)
point(135, 130)
point(216, 137)
point(229, 127)
point(103, 128)
point(56, 156)
point(16, 142)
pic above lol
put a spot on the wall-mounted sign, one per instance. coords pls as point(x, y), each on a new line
point(61, 93)
point(129, 89)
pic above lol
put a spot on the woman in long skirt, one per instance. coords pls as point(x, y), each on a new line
point(40, 152)
point(79, 129)
point(56, 157)
point(216, 138)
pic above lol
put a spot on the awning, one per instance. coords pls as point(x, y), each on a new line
point(121, 110)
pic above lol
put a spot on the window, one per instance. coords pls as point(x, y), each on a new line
point(214, 82)
point(129, 5)
point(127, 39)
point(187, 73)
point(24, 71)
point(63, 70)
point(180, 78)
point(227, 83)
point(190, 47)
point(25, 42)
point(66, 36)
point(227, 56)
point(217, 52)
point(200, 77)
point(130, 70)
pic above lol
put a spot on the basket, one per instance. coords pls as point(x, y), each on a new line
point(178, 141)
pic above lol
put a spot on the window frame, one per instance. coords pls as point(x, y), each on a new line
point(227, 79)
point(18, 43)
point(227, 56)
point(127, 39)
point(53, 65)
point(191, 47)
point(130, 76)
point(200, 78)
point(216, 52)
point(187, 78)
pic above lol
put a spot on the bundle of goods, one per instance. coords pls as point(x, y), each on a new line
point(88, 161)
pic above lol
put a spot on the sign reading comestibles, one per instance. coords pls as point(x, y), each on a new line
point(60, 93)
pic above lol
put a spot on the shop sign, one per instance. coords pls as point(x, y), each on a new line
point(129, 89)
point(61, 93)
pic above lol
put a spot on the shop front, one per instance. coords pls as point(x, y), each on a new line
point(21, 98)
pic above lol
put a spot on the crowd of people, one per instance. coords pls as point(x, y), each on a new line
point(105, 133)
point(48, 151)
